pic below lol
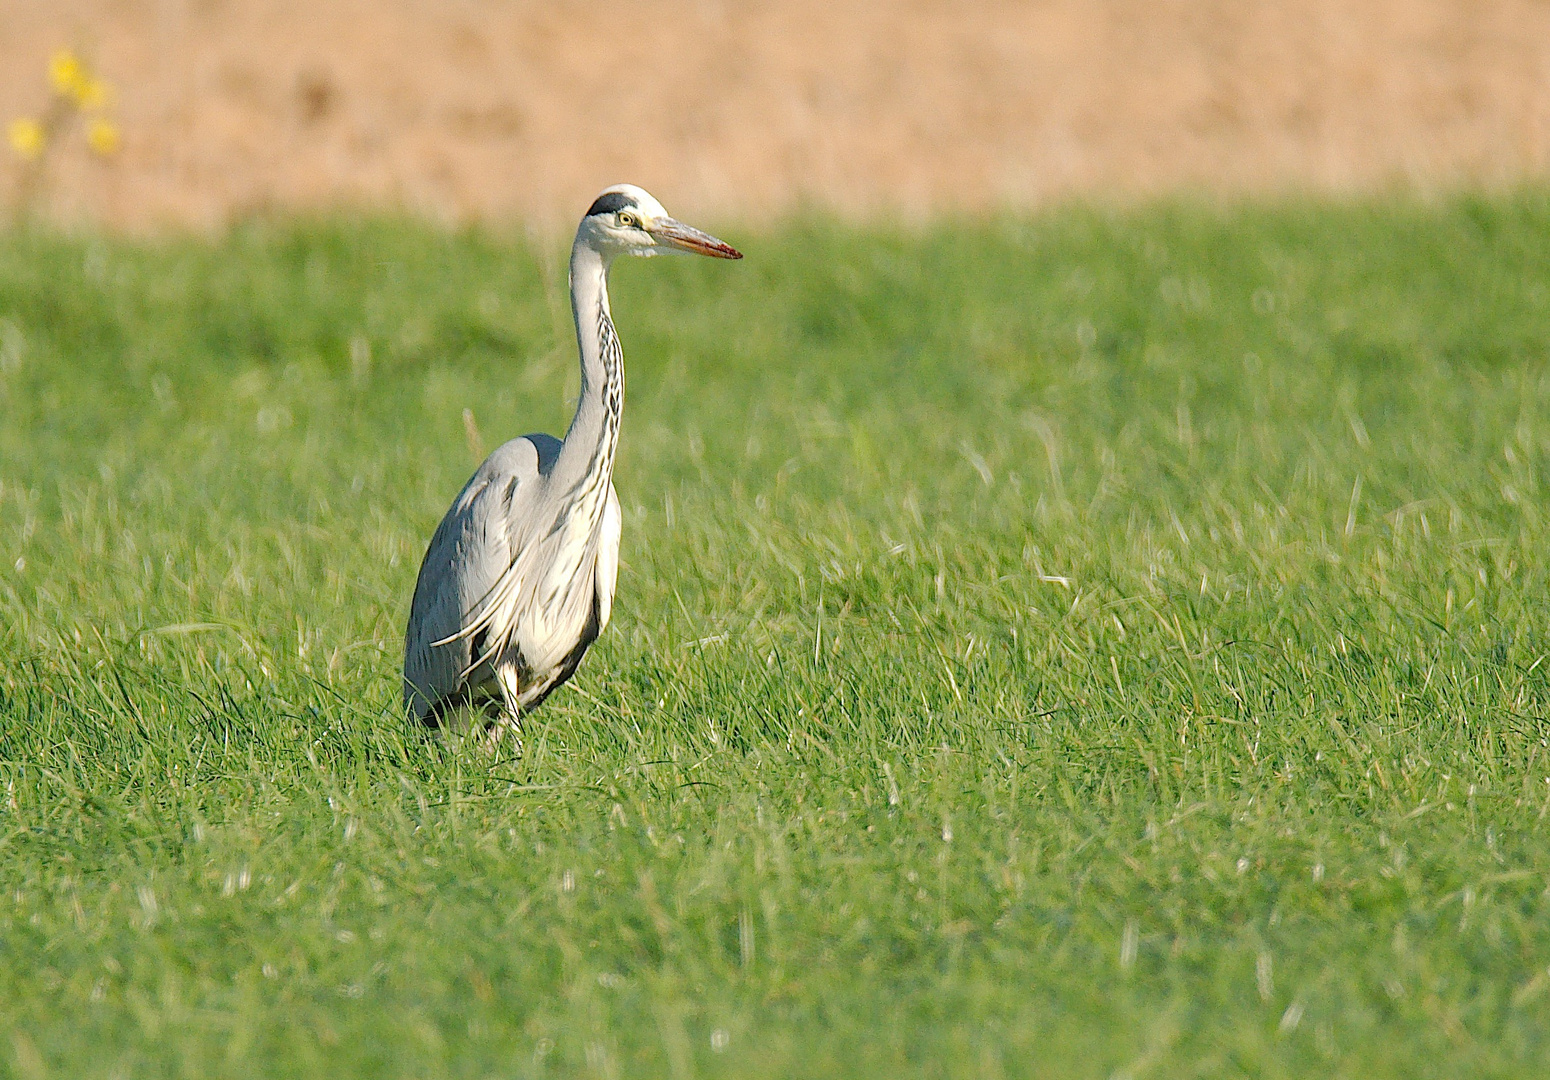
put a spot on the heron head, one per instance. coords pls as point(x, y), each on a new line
point(626, 220)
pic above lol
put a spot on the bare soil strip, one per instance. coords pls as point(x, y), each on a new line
point(469, 110)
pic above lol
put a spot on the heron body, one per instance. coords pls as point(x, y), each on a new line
point(518, 580)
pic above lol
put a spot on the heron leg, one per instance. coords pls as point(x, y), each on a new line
point(505, 714)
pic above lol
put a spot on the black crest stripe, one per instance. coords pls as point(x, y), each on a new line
point(611, 203)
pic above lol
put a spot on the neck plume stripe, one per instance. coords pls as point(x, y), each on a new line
point(588, 494)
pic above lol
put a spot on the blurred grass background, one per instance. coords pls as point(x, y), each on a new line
point(1094, 643)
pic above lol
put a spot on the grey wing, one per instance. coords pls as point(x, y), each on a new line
point(473, 546)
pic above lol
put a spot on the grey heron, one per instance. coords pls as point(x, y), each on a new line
point(519, 577)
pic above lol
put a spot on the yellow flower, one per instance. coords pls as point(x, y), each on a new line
point(28, 138)
point(103, 137)
point(67, 73)
point(92, 93)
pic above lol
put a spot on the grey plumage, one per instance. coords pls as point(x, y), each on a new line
point(518, 580)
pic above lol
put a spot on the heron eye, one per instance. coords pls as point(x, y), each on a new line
point(627, 220)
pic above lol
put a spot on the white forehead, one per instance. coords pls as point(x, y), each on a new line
point(643, 199)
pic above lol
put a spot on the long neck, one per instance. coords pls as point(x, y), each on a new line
point(586, 461)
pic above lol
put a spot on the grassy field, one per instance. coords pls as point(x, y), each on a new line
point(1098, 645)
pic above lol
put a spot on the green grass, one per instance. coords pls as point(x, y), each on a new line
point(1102, 645)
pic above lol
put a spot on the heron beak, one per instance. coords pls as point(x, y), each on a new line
point(681, 237)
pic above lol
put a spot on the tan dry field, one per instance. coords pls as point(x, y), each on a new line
point(521, 110)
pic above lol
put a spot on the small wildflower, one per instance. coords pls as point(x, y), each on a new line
point(27, 138)
point(91, 92)
point(103, 137)
point(67, 73)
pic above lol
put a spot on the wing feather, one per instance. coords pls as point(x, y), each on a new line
point(471, 554)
